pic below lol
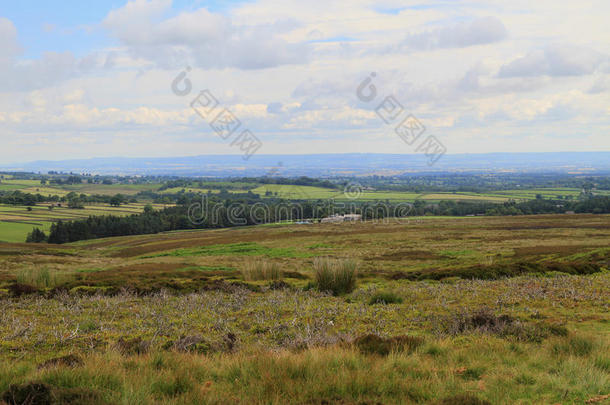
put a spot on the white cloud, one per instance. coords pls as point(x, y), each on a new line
point(9, 47)
point(486, 30)
point(289, 70)
point(556, 60)
point(201, 38)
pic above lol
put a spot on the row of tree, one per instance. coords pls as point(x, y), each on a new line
point(73, 199)
point(195, 214)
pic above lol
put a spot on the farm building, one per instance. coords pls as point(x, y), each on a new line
point(342, 218)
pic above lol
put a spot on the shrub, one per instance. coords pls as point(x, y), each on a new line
point(335, 276)
point(374, 344)
point(480, 320)
point(261, 270)
point(19, 289)
point(194, 344)
point(39, 393)
point(463, 399)
point(70, 360)
point(483, 320)
point(33, 393)
point(279, 285)
point(36, 236)
point(498, 271)
point(385, 297)
point(129, 346)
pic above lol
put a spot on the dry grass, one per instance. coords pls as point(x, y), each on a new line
point(41, 277)
point(337, 276)
point(486, 369)
point(261, 270)
point(191, 332)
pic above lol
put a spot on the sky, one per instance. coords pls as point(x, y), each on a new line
point(114, 78)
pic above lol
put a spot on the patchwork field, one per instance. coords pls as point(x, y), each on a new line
point(289, 191)
point(471, 310)
point(17, 221)
point(34, 187)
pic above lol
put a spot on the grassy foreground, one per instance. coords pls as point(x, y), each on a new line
point(510, 310)
point(522, 340)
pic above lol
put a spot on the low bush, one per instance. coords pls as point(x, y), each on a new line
point(335, 276)
point(483, 320)
point(463, 399)
point(193, 344)
point(374, 344)
point(385, 297)
point(70, 360)
point(19, 289)
point(39, 393)
point(498, 271)
point(130, 346)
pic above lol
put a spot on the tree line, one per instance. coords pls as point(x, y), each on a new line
point(228, 213)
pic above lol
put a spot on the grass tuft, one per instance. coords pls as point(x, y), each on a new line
point(261, 270)
point(335, 276)
point(576, 346)
point(385, 297)
point(40, 278)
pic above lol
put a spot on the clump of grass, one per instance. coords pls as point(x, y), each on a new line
point(261, 270)
point(463, 399)
point(525, 379)
point(171, 387)
point(41, 393)
point(40, 278)
point(335, 276)
point(434, 350)
point(374, 344)
point(473, 373)
point(603, 363)
point(575, 346)
point(385, 297)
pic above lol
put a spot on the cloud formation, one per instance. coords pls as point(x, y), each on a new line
point(481, 76)
point(556, 60)
point(481, 31)
point(202, 38)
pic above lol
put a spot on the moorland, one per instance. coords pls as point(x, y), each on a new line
point(471, 310)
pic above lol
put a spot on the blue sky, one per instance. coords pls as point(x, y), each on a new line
point(72, 25)
point(84, 79)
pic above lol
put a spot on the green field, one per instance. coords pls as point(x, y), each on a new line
point(34, 187)
point(17, 231)
point(289, 191)
point(315, 193)
point(16, 221)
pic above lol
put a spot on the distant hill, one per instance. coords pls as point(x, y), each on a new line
point(320, 165)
